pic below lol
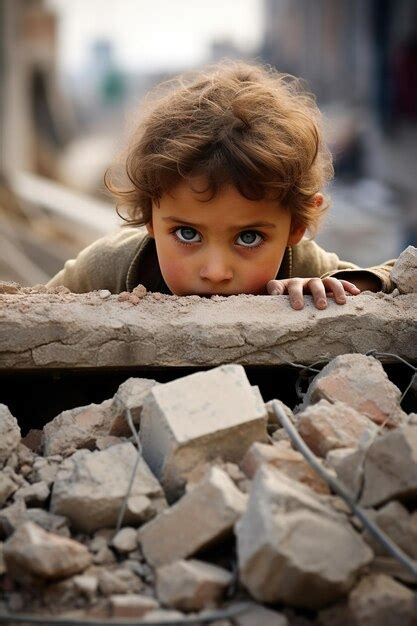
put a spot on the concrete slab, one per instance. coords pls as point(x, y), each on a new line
point(65, 330)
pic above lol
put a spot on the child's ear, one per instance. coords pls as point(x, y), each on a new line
point(149, 228)
point(296, 234)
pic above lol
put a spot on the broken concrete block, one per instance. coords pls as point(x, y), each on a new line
point(400, 525)
point(194, 419)
point(293, 548)
point(11, 517)
point(390, 467)
point(404, 272)
point(191, 585)
point(33, 495)
point(48, 521)
point(9, 434)
point(120, 580)
point(34, 440)
point(285, 459)
point(325, 426)
point(361, 382)
point(76, 428)
point(7, 487)
point(90, 488)
point(348, 465)
point(132, 605)
point(131, 395)
point(379, 600)
point(201, 517)
point(31, 551)
point(126, 540)
point(44, 470)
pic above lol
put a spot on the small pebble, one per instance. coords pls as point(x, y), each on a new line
point(104, 293)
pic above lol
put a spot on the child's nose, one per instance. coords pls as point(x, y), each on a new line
point(216, 270)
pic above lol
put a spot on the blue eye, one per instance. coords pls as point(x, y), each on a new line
point(187, 234)
point(248, 237)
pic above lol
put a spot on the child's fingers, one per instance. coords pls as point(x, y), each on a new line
point(337, 288)
point(350, 287)
point(275, 287)
point(295, 292)
point(318, 291)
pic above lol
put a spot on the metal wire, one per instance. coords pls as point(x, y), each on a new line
point(338, 488)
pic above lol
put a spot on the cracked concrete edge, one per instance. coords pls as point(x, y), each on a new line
point(49, 331)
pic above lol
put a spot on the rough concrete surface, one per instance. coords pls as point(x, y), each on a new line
point(48, 330)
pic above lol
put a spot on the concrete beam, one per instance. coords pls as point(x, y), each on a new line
point(96, 330)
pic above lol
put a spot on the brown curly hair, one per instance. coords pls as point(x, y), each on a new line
point(236, 123)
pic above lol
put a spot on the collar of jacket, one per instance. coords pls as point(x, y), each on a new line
point(144, 268)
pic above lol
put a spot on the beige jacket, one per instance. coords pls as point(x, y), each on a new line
point(128, 257)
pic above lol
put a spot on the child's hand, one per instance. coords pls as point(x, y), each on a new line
point(317, 287)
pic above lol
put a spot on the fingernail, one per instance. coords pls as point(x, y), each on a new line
point(322, 302)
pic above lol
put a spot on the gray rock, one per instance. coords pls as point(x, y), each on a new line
point(90, 488)
point(390, 467)
point(404, 272)
point(360, 382)
point(9, 434)
point(191, 585)
point(293, 548)
point(33, 552)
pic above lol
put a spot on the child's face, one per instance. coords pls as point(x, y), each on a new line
point(225, 249)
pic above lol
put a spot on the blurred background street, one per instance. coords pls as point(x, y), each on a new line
point(72, 74)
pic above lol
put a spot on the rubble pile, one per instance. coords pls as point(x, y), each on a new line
point(215, 507)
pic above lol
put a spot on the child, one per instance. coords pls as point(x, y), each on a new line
point(222, 179)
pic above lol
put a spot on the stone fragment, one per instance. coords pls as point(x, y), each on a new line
point(44, 470)
point(11, 517)
point(258, 615)
point(191, 585)
point(130, 395)
point(7, 487)
point(390, 467)
point(293, 548)
point(90, 488)
point(77, 428)
point(196, 418)
point(201, 517)
point(126, 540)
point(31, 551)
point(86, 584)
point(9, 287)
point(33, 494)
point(139, 291)
point(325, 426)
point(9, 434)
point(404, 272)
point(132, 605)
point(285, 459)
point(106, 441)
point(361, 382)
point(348, 465)
point(57, 524)
point(34, 440)
point(121, 580)
point(398, 524)
point(379, 600)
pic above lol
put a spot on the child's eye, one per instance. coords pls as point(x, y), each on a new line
point(247, 236)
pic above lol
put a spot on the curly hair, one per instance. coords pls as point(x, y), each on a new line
point(233, 122)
